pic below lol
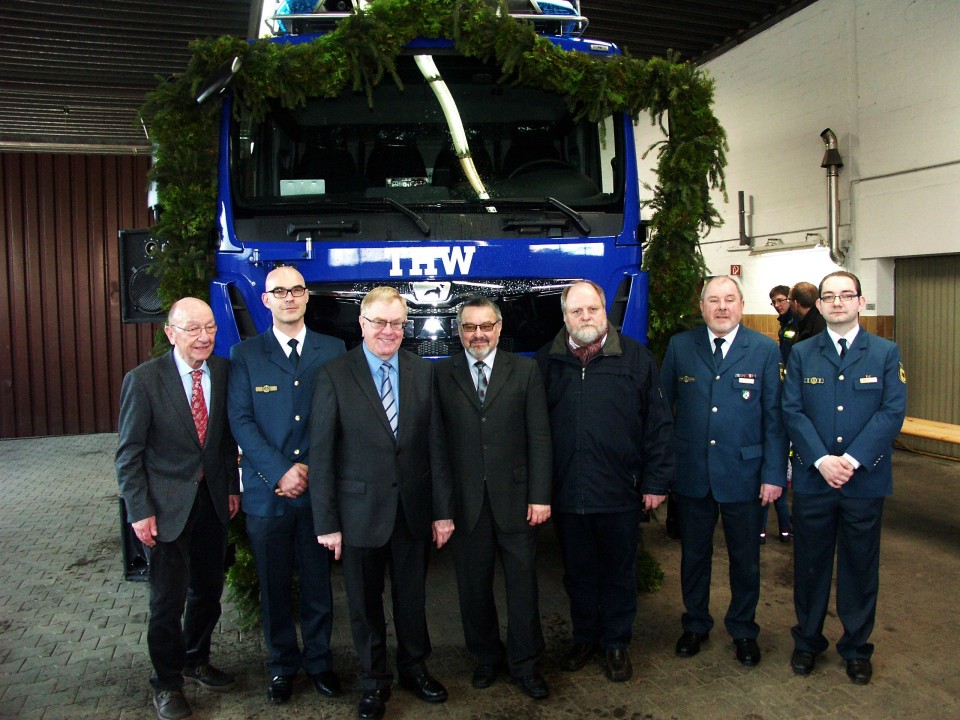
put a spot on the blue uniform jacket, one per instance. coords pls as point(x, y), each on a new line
point(854, 406)
point(728, 430)
point(268, 401)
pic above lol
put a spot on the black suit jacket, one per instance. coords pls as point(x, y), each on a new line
point(503, 446)
point(159, 459)
point(358, 471)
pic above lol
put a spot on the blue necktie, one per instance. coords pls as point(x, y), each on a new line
point(842, 342)
point(294, 355)
point(387, 398)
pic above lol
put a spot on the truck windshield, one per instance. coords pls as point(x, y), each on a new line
point(459, 150)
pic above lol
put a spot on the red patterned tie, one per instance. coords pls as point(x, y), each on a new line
point(198, 406)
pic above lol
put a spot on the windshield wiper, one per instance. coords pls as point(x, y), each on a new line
point(365, 205)
point(582, 225)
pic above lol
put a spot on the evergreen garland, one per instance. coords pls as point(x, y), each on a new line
point(359, 54)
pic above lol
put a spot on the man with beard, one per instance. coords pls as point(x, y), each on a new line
point(724, 380)
point(498, 434)
point(613, 461)
point(270, 393)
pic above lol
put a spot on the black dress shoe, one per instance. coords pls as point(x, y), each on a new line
point(689, 643)
point(748, 652)
point(859, 670)
point(577, 656)
point(763, 538)
point(280, 688)
point(485, 675)
point(426, 687)
point(327, 683)
point(785, 536)
point(534, 686)
point(209, 678)
point(802, 662)
point(373, 704)
point(616, 665)
point(171, 705)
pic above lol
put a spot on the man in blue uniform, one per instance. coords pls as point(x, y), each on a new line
point(270, 394)
point(843, 404)
point(724, 381)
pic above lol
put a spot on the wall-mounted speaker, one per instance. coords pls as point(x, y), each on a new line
point(139, 288)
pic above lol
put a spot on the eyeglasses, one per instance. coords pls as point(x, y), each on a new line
point(381, 324)
point(195, 330)
point(779, 301)
point(485, 327)
point(830, 298)
point(281, 292)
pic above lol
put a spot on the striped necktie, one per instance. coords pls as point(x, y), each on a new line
point(387, 398)
point(718, 352)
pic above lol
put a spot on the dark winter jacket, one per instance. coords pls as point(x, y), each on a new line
point(612, 428)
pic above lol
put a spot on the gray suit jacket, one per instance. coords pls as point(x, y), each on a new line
point(504, 446)
point(358, 471)
point(159, 460)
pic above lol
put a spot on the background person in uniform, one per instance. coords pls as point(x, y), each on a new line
point(844, 401)
point(177, 471)
point(270, 394)
point(780, 300)
point(724, 380)
point(498, 435)
point(613, 460)
point(803, 303)
point(380, 487)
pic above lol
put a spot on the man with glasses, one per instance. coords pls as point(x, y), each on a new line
point(844, 401)
point(176, 467)
point(780, 301)
point(724, 381)
point(270, 395)
point(380, 487)
point(498, 433)
point(613, 461)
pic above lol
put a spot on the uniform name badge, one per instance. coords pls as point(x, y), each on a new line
point(868, 379)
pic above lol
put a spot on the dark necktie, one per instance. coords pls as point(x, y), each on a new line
point(481, 381)
point(842, 342)
point(198, 406)
point(386, 397)
point(294, 355)
point(718, 352)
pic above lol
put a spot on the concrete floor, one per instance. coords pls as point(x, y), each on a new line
point(73, 640)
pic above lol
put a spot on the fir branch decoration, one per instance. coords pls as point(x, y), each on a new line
point(361, 53)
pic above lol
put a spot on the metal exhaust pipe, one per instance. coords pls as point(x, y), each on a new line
point(832, 162)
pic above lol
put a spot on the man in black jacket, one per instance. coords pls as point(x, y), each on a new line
point(803, 303)
point(613, 460)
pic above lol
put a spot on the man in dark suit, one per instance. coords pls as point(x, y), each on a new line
point(844, 401)
point(177, 471)
point(498, 435)
point(724, 381)
point(380, 487)
point(270, 394)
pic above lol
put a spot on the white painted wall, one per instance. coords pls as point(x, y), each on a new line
point(883, 75)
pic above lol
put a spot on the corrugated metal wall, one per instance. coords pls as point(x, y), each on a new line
point(63, 349)
point(928, 331)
